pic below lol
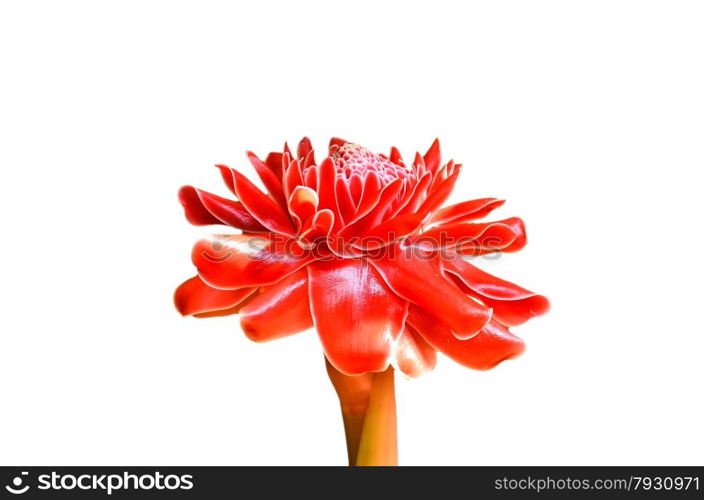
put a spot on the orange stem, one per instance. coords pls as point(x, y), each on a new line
point(379, 443)
point(368, 405)
point(353, 392)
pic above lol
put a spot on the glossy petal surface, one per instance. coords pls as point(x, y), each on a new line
point(193, 296)
point(414, 356)
point(267, 211)
point(491, 346)
point(239, 261)
point(355, 314)
point(278, 310)
point(512, 304)
point(422, 281)
point(466, 211)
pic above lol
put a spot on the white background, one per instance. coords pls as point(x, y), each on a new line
point(588, 117)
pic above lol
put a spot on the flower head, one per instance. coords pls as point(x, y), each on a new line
point(358, 247)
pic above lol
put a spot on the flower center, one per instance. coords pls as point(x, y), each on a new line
point(353, 159)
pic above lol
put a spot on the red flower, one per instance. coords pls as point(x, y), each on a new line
point(358, 247)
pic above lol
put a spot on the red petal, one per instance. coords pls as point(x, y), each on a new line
point(421, 280)
point(238, 261)
point(484, 283)
point(466, 211)
point(517, 312)
point(491, 346)
point(386, 197)
point(363, 222)
point(319, 226)
point(275, 163)
point(326, 187)
point(292, 176)
point(416, 197)
point(311, 178)
point(356, 185)
point(419, 162)
point(512, 304)
point(304, 147)
point(414, 356)
point(232, 213)
point(345, 203)
point(227, 177)
point(356, 315)
point(225, 312)
point(395, 156)
point(439, 195)
point(309, 159)
point(269, 213)
point(508, 235)
point(269, 178)
point(432, 157)
point(519, 229)
point(195, 297)
point(302, 205)
point(441, 174)
point(389, 231)
point(279, 310)
point(193, 208)
point(470, 238)
point(369, 197)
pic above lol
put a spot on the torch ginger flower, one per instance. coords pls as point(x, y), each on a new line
point(358, 247)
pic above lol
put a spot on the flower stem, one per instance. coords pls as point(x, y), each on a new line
point(368, 405)
point(353, 392)
point(378, 444)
